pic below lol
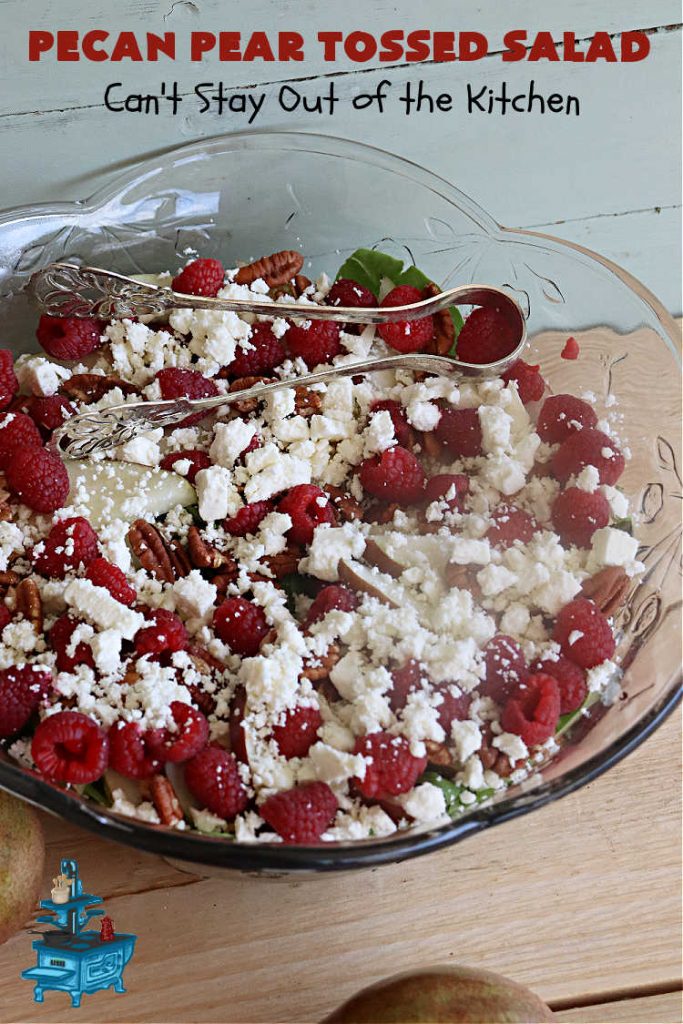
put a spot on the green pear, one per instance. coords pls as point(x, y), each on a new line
point(459, 995)
point(22, 854)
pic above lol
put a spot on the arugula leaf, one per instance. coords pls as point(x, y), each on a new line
point(294, 584)
point(452, 791)
point(368, 267)
point(625, 524)
point(565, 722)
point(95, 791)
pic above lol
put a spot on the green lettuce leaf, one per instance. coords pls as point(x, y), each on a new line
point(452, 792)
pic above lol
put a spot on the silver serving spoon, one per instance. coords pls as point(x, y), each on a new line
point(64, 289)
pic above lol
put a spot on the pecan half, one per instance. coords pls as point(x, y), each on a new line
point(165, 800)
point(431, 445)
point(29, 604)
point(8, 579)
point(344, 504)
point(321, 665)
point(440, 756)
point(380, 513)
point(464, 577)
point(204, 555)
point(306, 402)
point(241, 384)
point(301, 283)
point(444, 328)
point(607, 588)
point(166, 559)
point(90, 387)
point(284, 563)
point(278, 268)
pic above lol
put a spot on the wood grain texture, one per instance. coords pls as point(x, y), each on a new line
point(580, 898)
point(666, 1008)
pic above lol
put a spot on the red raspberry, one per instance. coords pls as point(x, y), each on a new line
point(506, 668)
point(332, 598)
point(302, 814)
point(583, 633)
point(51, 412)
point(404, 681)
point(346, 292)
point(200, 277)
point(241, 625)
point(439, 486)
point(17, 431)
point(38, 478)
point(485, 337)
point(562, 415)
point(454, 707)
point(576, 515)
point(459, 431)
point(308, 507)
point(395, 475)
point(509, 524)
point(298, 732)
point(70, 544)
point(176, 383)
point(585, 448)
point(5, 616)
point(571, 680)
point(189, 737)
point(21, 691)
point(406, 335)
point(238, 741)
point(390, 767)
point(129, 752)
point(165, 634)
point(530, 383)
point(102, 573)
point(571, 349)
point(267, 353)
point(403, 432)
point(248, 518)
point(213, 778)
point(317, 343)
point(9, 385)
point(533, 711)
point(197, 459)
point(59, 639)
point(69, 338)
point(70, 747)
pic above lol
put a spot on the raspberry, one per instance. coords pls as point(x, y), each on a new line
point(247, 520)
point(404, 681)
point(129, 752)
point(571, 349)
point(165, 634)
point(562, 415)
point(70, 747)
point(50, 412)
point(571, 680)
point(69, 337)
point(329, 599)
point(70, 544)
point(213, 778)
point(394, 475)
point(298, 732)
point(176, 383)
point(454, 707)
point(402, 429)
point(197, 459)
point(406, 335)
point(241, 625)
point(267, 353)
point(238, 741)
point(390, 767)
point(308, 507)
point(102, 573)
point(200, 277)
point(38, 478)
point(9, 385)
point(439, 488)
point(59, 639)
point(583, 633)
point(577, 514)
point(587, 447)
point(533, 711)
point(459, 431)
point(485, 337)
point(21, 691)
point(346, 292)
point(530, 383)
point(189, 737)
point(509, 524)
point(506, 668)
point(302, 814)
point(317, 343)
point(17, 430)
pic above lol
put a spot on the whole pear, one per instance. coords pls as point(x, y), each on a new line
point(22, 855)
point(459, 995)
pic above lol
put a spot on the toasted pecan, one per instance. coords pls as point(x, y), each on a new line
point(245, 405)
point(165, 800)
point(8, 579)
point(284, 562)
point(380, 513)
point(440, 756)
point(344, 504)
point(29, 604)
point(167, 560)
point(90, 387)
point(321, 666)
point(276, 269)
point(204, 555)
point(306, 402)
point(301, 283)
point(444, 328)
point(431, 445)
point(607, 589)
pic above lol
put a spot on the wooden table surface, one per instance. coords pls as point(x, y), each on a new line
point(580, 901)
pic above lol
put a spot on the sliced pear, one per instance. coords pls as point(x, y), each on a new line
point(369, 580)
point(391, 551)
point(375, 555)
point(103, 491)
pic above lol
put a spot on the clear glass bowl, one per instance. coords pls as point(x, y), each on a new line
point(243, 195)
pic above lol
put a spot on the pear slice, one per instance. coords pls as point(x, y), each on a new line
point(104, 491)
point(369, 580)
point(375, 555)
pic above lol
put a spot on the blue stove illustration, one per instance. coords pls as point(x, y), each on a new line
point(70, 958)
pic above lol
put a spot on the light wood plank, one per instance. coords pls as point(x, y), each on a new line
point(665, 1008)
point(580, 897)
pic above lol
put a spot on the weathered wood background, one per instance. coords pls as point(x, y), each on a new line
point(609, 179)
